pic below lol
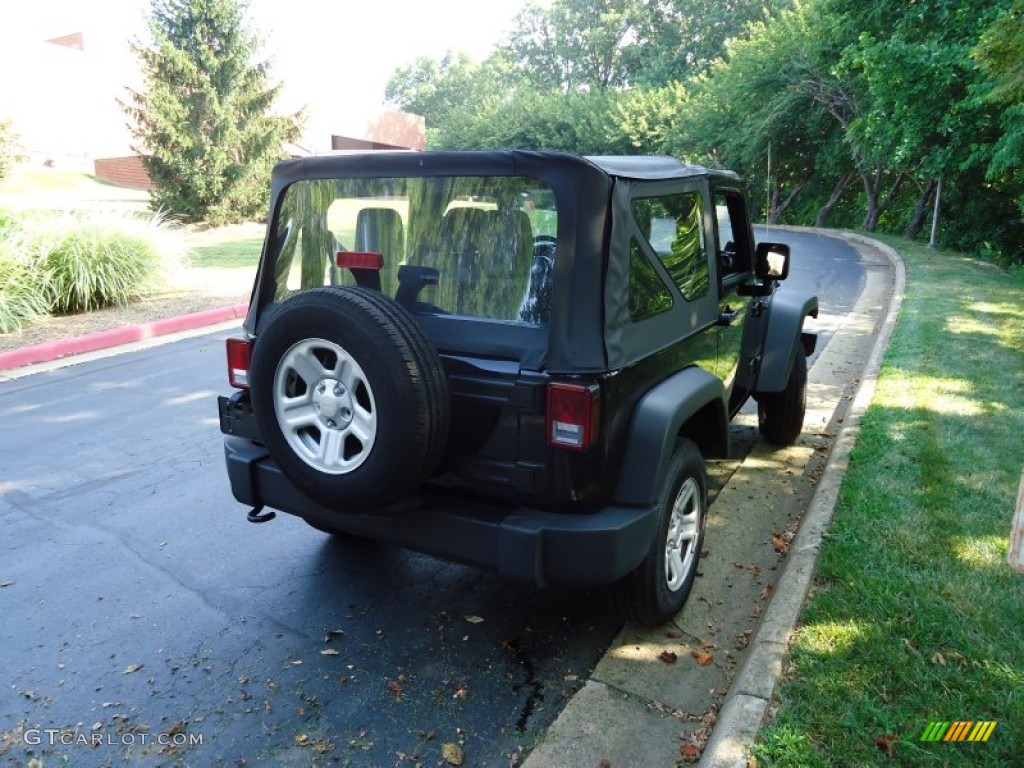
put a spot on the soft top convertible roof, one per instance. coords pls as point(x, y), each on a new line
point(652, 168)
point(486, 162)
point(584, 333)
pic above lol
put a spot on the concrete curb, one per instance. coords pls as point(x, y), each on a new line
point(54, 350)
point(751, 692)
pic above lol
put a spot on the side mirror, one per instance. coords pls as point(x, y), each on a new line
point(771, 262)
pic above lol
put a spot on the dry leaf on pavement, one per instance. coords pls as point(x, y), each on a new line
point(452, 753)
point(668, 657)
point(703, 659)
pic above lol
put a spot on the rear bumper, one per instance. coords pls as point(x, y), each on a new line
point(526, 544)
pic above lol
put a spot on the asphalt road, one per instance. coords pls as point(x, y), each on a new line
point(143, 619)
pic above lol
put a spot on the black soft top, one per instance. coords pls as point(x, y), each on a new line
point(591, 285)
point(499, 162)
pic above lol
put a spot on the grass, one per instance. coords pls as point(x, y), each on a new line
point(915, 615)
point(29, 188)
point(233, 254)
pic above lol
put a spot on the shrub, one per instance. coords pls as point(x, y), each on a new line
point(21, 291)
point(89, 263)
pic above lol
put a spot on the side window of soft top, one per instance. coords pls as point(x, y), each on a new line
point(673, 225)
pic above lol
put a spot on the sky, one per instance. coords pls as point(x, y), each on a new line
point(334, 54)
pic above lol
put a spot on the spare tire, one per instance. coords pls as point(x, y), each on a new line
point(350, 397)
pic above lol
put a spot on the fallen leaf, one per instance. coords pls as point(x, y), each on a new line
point(333, 633)
point(690, 752)
point(461, 691)
point(910, 646)
point(668, 657)
point(178, 727)
point(887, 744)
point(342, 679)
point(675, 634)
point(329, 652)
point(131, 668)
point(938, 658)
point(474, 619)
point(394, 686)
point(302, 739)
point(767, 592)
point(703, 659)
point(707, 644)
point(452, 753)
point(780, 545)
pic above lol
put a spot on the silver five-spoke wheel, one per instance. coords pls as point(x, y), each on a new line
point(325, 406)
point(683, 529)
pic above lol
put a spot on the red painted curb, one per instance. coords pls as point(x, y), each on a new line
point(53, 350)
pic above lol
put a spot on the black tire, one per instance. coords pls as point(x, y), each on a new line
point(652, 594)
point(780, 415)
point(363, 399)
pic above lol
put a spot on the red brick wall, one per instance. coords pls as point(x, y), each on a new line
point(126, 171)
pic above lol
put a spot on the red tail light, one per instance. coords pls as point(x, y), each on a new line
point(239, 356)
point(574, 412)
point(359, 260)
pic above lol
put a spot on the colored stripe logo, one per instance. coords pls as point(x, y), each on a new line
point(959, 730)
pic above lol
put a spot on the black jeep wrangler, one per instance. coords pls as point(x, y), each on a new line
point(511, 359)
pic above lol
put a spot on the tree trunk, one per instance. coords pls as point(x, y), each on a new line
point(778, 208)
point(837, 192)
point(871, 193)
point(916, 223)
point(872, 188)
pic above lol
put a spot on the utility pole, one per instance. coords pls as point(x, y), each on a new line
point(935, 215)
point(768, 189)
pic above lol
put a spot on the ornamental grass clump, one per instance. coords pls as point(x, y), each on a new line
point(91, 262)
point(21, 292)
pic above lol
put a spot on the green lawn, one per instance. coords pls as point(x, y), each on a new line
point(37, 188)
point(915, 615)
point(244, 252)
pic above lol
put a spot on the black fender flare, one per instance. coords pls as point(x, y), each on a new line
point(689, 403)
point(786, 313)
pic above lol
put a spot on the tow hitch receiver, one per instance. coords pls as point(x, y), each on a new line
point(257, 515)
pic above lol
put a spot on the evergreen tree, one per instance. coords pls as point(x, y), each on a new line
point(203, 121)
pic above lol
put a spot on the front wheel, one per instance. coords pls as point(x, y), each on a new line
point(780, 415)
point(658, 588)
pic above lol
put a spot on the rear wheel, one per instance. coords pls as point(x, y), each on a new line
point(350, 397)
point(657, 590)
point(780, 415)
